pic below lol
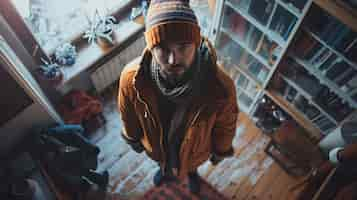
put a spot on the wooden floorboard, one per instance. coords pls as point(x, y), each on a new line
point(249, 175)
point(264, 183)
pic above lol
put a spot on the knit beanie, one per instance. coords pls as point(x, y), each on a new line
point(171, 21)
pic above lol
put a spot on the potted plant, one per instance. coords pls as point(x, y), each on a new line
point(101, 30)
point(138, 14)
point(66, 54)
point(50, 72)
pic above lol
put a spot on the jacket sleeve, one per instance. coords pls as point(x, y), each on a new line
point(225, 128)
point(132, 131)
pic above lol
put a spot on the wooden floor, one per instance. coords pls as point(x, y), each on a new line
point(249, 175)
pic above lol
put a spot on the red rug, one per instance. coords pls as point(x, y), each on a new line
point(176, 190)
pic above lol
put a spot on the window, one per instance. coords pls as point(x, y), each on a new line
point(56, 21)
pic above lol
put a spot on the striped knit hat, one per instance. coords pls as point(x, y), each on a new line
point(171, 20)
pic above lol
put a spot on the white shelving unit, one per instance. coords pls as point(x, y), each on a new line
point(257, 43)
point(263, 33)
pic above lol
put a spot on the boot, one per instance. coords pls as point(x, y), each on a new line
point(158, 178)
point(101, 179)
point(194, 182)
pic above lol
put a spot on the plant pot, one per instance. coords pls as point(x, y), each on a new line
point(212, 6)
point(139, 19)
point(51, 81)
point(104, 43)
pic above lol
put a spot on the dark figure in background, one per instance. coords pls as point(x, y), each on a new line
point(176, 103)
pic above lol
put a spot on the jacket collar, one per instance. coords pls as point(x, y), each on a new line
point(213, 90)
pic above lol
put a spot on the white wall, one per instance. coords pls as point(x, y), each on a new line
point(34, 115)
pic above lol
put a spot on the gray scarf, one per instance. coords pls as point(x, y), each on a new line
point(185, 88)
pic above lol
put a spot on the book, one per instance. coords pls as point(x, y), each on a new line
point(336, 69)
point(310, 54)
point(249, 34)
point(290, 27)
point(335, 33)
point(345, 77)
point(261, 9)
point(303, 44)
point(350, 82)
point(316, 56)
point(254, 39)
point(282, 22)
point(352, 52)
point(239, 26)
point(311, 112)
point(346, 42)
point(329, 28)
point(350, 45)
point(320, 60)
point(327, 63)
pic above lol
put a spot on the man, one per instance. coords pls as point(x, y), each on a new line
point(176, 104)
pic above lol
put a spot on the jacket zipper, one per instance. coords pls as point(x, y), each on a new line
point(196, 115)
point(153, 121)
point(161, 135)
point(192, 122)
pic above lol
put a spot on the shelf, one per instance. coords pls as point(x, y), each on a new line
point(330, 84)
point(339, 12)
point(245, 47)
point(244, 91)
point(271, 34)
point(308, 97)
point(242, 106)
point(89, 55)
point(354, 65)
point(294, 113)
point(248, 75)
point(293, 10)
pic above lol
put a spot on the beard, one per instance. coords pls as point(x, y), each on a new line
point(173, 79)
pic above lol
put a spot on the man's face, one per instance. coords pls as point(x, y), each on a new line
point(174, 58)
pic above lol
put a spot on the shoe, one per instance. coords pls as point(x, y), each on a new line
point(194, 182)
point(158, 177)
point(101, 179)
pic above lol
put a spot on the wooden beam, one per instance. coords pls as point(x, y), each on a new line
point(339, 11)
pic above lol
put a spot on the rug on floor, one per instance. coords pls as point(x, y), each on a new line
point(178, 190)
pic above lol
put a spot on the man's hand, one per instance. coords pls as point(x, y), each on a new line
point(137, 147)
point(215, 159)
point(134, 144)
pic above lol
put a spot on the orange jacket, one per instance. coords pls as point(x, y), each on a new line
point(212, 117)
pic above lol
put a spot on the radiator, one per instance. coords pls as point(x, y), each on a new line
point(109, 72)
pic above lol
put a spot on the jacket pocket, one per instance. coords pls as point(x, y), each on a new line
point(201, 139)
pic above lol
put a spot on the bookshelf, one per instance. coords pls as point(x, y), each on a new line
point(324, 80)
point(300, 44)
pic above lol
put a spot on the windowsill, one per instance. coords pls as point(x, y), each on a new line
point(123, 8)
point(91, 55)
